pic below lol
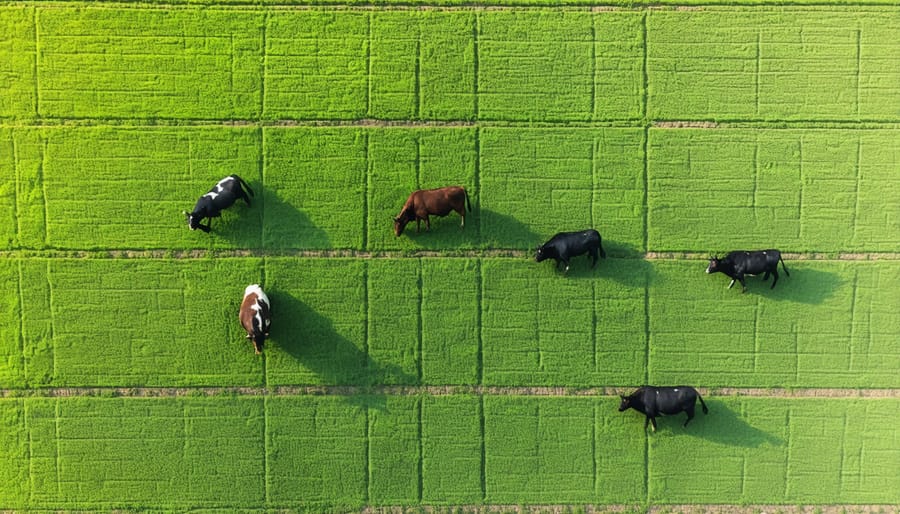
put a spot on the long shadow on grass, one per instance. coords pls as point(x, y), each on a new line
point(312, 340)
point(484, 228)
point(805, 285)
point(238, 226)
point(722, 426)
point(286, 226)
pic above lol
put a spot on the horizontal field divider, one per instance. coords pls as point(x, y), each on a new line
point(400, 254)
point(717, 124)
point(387, 390)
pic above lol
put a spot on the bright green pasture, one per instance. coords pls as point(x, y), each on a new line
point(500, 321)
point(488, 65)
point(797, 190)
point(334, 452)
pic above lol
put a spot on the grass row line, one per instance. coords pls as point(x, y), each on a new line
point(438, 322)
point(353, 391)
point(333, 453)
point(516, 65)
point(406, 254)
point(338, 188)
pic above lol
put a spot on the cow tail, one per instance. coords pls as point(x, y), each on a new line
point(245, 185)
point(705, 410)
point(783, 266)
point(469, 205)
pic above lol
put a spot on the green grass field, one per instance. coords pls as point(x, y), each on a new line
point(446, 371)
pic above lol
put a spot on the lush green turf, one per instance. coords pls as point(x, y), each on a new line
point(797, 190)
point(447, 321)
point(777, 65)
point(116, 117)
point(328, 452)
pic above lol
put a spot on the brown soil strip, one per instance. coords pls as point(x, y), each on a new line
point(559, 392)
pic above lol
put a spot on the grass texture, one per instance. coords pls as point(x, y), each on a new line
point(324, 453)
point(408, 321)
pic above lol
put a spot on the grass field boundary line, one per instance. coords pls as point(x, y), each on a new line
point(156, 122)
point(401, 390)
point(404, 254)
point(406, 5)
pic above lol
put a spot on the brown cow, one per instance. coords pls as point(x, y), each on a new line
point(438, 202)
point(255, 315)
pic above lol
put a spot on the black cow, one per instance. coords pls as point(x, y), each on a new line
point(655, 401)
point(220, 197)
point(565, 245)
point(740, 263)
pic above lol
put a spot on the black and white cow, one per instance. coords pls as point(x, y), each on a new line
point(740, 263)
point(662, 401)
point(565, 245)
point(256, 315)
point(220, 197)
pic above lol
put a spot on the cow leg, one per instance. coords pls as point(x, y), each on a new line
point(595, 257)
point(427, 223)
point(743, 284)
point(731, 284)
point(766, 276)
point(774, 278)
point(690, 414)
point(652, 421)
point(418, 225)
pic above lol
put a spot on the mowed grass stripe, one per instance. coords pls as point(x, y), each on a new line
point(173, 323)
point(800, 190)
point(777, 65)
point(795, 190)
point(195, 63)
point(119, 452)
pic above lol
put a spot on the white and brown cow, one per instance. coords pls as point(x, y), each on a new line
point(256, 315)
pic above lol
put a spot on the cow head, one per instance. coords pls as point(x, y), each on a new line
point(400, 222)
point(258, 339)
point(625, 404)
point(194, 220)
point(714, 263)
point(540, 254)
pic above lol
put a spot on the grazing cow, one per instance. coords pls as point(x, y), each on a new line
point(565, 245)
point(740, 263)
point(220, 197)
point(438, 202)
point(655, 401)
point(256, 315)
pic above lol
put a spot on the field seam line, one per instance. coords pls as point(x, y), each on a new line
point(37, 53)
point(166, 254)
point(609, 391)
point(369, 122)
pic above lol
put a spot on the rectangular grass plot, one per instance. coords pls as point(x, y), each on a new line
point(536, 182)
point(127, 63)
point(319, 321)
point(12, 357)
point(792, 65)
point(124, 451)
point(394, 438)
point(773, 450)
point(556, 65)
point(394, 314)
point(316, 65)
point(17, 57)
point(541, 328)
point(823, 326)
point(450, 321)
point(552, 450)
point(315, 188)
point(451, 450)
point(14, 476)
point(799, 190)
point(135, 323)
point(316, 452)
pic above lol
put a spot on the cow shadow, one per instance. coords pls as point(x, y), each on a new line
point(805, 285)
point(239, 226)
point(721, 426)
point(502, 231)
point(624, 264)
point(286, 227)
point(310, 339)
